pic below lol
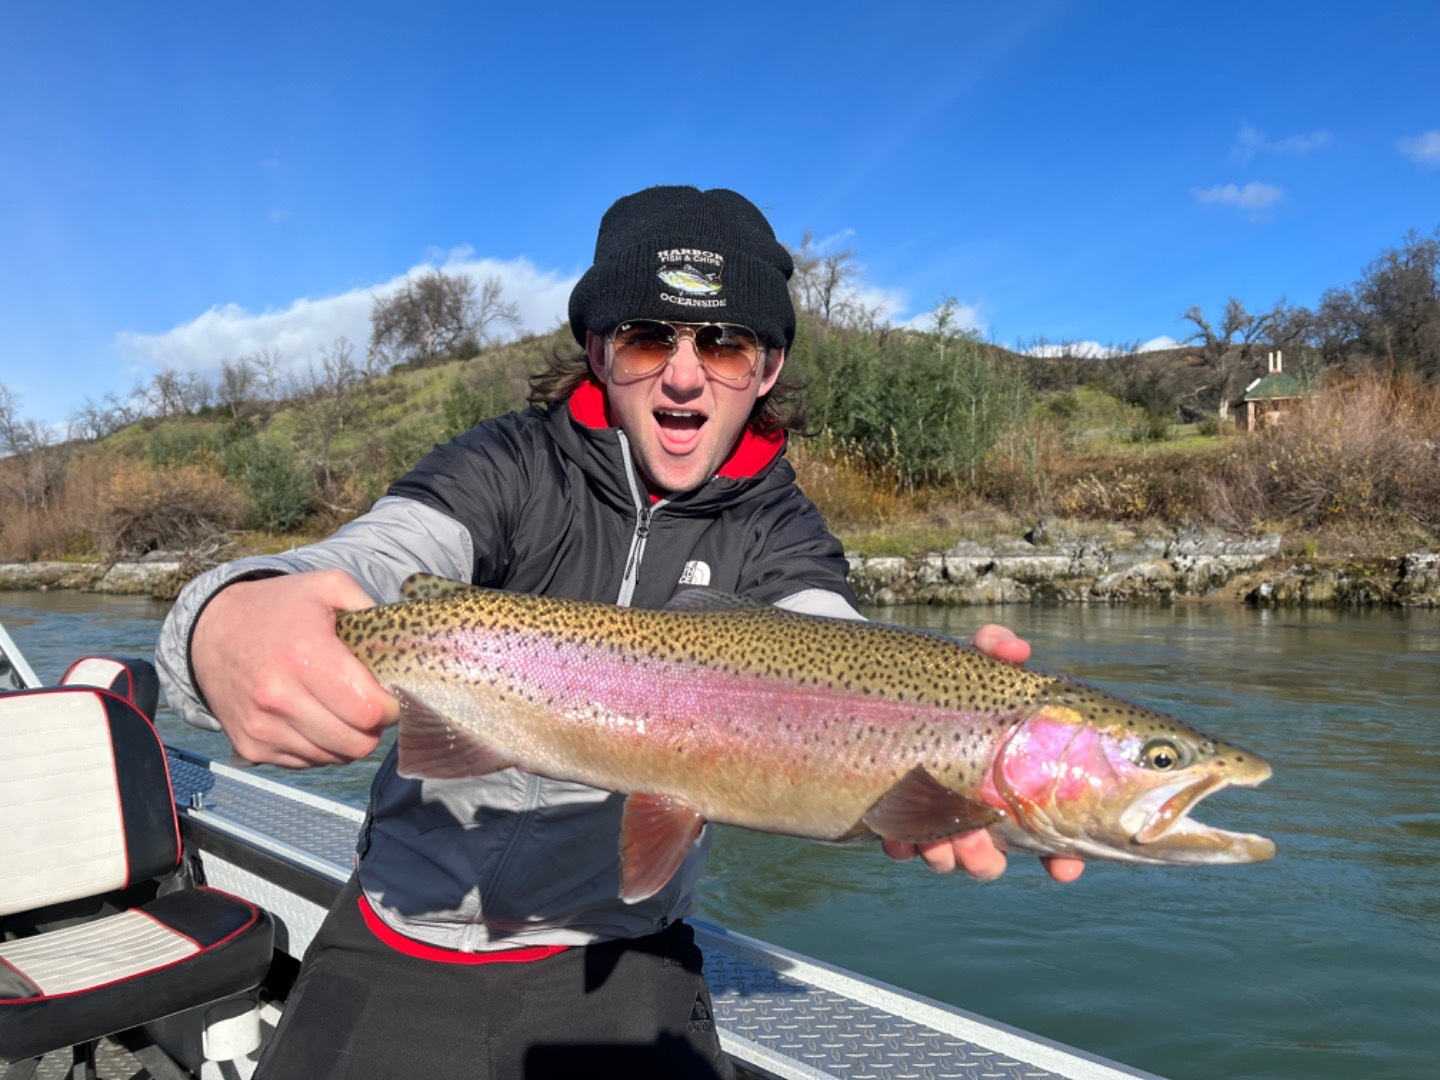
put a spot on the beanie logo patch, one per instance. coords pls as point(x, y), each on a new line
point(693, 273)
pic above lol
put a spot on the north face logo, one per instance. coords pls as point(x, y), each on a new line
point(695, 573)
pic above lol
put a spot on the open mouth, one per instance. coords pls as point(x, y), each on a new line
point(1165, 808)
point(679, 428)
point(1160, 819)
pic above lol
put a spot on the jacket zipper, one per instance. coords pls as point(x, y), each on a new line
point(470, 939)
point(644, 512)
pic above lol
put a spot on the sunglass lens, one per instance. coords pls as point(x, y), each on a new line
point(643, 345)
point(728, 351)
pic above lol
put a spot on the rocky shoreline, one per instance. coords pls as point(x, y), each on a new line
point(160, 575)
point(1191, 566)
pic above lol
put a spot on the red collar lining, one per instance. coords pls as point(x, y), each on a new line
point(752, 453)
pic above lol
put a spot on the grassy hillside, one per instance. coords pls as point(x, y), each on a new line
point(897, 465)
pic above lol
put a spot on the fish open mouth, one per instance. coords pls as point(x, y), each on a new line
point(1160, 820)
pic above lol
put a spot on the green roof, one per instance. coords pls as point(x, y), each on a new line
point(1277, 384)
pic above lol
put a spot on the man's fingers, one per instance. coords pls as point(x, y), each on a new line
point(1001, 643)
point(345, 687)
point(900, 850)
point(1063, 869)
point(973, 852)
point(976, 854)
point(341, 591)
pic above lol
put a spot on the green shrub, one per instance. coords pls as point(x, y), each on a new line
point(466, 405)
point(926, 409)
point(182, 444)
point(277, 484)
point(408, 444)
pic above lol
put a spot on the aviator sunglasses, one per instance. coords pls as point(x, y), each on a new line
point(727, 351)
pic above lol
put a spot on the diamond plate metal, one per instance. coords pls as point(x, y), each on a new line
point(324, 830)
point(839, 1036)
point(778, 1014)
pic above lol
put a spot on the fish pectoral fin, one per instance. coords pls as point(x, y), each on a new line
point(656, 833)
point(432, 747)
point(919, 809)
point(431, 587)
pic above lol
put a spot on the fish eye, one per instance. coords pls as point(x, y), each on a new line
point(1161, 755)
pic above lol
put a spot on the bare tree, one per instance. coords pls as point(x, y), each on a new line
point(237, 385)
point(96, 420)
point(1339, 323)
point(174, 393)
point(494, 311)
point(325, 403)
point(37, 464)
point(1399, 295)
point(1216, 341)
point(823, 285)
point(269, 365)
point(435, 315)
point(14, 437)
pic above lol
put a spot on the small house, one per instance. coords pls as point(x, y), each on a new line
point(1268, 398)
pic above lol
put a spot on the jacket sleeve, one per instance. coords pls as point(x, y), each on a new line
point(380, 549)
point(796, 562)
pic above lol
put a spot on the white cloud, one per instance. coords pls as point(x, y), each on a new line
point(967, 317)
point(1253, 196)
point(1424, 149)
point(306, 326)
point(1252, 141)
point(1093, 350)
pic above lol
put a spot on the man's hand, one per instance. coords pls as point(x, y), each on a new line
point(974, 852)
point(285, 689)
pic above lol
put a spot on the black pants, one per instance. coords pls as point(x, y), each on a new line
point(362, 1010)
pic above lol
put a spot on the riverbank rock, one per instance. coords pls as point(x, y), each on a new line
point(152, 575)
point(1410, 581)
point(1193, 564)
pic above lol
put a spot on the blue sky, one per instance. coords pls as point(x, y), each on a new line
point(185, 183)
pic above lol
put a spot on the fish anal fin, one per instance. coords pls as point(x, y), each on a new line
point(432, 747)
point(656, 833)
point(919, 809)
point(423, 586)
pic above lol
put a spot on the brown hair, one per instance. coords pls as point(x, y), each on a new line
point(781, 410)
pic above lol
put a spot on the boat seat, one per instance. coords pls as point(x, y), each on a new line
point(134, 680)
point(100, 932)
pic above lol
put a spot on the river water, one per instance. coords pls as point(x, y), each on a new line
point(1322, 963)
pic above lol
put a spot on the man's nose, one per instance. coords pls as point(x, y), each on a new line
point(685, 370)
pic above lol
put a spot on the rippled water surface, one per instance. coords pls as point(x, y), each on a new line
point(1323, 963)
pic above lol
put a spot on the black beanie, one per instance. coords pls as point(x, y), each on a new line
point(686, 255)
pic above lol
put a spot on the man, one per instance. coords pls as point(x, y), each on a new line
point(482, 933)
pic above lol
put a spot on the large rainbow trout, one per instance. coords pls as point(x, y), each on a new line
point(718, 709)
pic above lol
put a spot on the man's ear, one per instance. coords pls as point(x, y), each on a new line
point(595, 349)
point(774, 361)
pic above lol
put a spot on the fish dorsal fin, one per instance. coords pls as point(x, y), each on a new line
point(700, 598)
point(656, 833)
point(919, 809)
point(432, 748)
point(432, 587)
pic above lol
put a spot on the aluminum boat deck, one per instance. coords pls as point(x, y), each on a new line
point(779, 1014)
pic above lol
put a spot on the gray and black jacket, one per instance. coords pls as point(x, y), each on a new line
point(535, 502)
